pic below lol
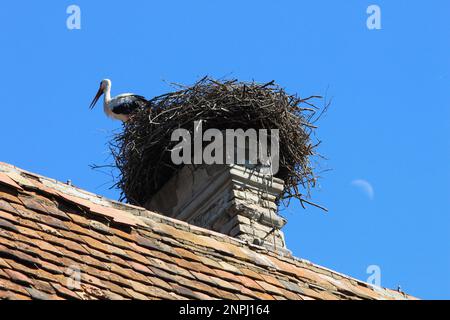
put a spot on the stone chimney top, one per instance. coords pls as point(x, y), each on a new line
point(229, 199)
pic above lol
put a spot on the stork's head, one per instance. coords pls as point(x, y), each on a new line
point(104, 85)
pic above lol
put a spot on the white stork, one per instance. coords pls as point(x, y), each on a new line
point(119, 107)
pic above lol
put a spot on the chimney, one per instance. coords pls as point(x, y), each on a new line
point(229, 199)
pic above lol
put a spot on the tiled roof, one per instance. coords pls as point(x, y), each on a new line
point(59, 242)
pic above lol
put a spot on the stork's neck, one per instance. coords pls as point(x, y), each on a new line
point(107, 99)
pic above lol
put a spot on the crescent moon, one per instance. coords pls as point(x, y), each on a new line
point(365, 186)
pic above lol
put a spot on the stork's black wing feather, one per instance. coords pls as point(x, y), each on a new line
point(128, 104)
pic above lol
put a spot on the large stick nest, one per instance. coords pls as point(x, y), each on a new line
point(142, 151)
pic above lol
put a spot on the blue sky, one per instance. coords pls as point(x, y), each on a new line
point(388, 124)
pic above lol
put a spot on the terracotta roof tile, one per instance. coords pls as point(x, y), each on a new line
point(12, 252)
point(269, 288)
point(96, 263)
point(8, 216)
point(29, 229)
point(230, 268)
point(197, 267)
point(8, 285)
point(43, 205)
point(9, 195)
point(50, 277)
point(19, 297)
point(87, 278)
point(47, 257)
point(150, 243)
point(186, 292)
point(209, 262)
point(225, 274)
point(65, 292)
point(196, 285)
point(250, 283)
point(156, 292)
point(20, 179)
point(289, 294)
point(73, 246)
point(187, 254)
point(14, 265)
point(6, 224)
point(54, 236)
point(242, 297)
point(44, 287)
point(93, 292)
point(123, 234)
point(203, 277)
point(95, 244)
point(18, 277)
point(7, 207)
point(292, 286)
point(46, 246)
point(50, 267)
point(5, 295)
point(160, 283)
point(251, 273)
point(180, 271)
point(136, 257)
point(163, 274)
point(136, 295)
point(6, 180)
point(263, 296)
point(100, 227)
point(250, 293)
point(227, 295)
point(78, 220)
point(272, 280)
point(139, 267)
point(4, 264)
point(225, 284)
point(99, 255)
point(114, 278)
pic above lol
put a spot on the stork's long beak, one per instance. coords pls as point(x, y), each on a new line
point(97, 96)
